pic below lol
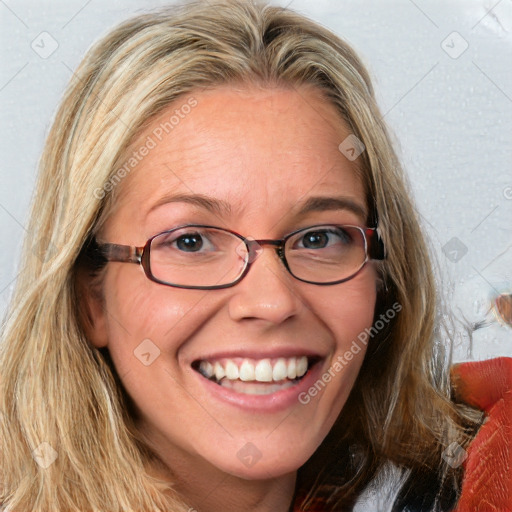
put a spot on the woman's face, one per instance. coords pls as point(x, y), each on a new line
point(248, 160)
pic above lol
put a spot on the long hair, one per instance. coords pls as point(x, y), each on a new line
point(61, 396)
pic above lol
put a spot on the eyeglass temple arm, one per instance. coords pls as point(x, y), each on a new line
point(376, 249)
point(123, 253)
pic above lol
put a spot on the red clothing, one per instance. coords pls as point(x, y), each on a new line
point(487, 482)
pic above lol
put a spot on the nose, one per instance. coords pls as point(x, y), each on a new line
point(267, 292)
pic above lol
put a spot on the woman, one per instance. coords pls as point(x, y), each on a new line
point(231, 306)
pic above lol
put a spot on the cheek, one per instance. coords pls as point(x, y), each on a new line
point(139, 310)
point(348, 309)
point(347, 312)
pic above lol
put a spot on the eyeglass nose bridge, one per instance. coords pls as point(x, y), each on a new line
point(255, 249)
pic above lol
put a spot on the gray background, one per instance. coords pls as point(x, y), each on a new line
point(442, 71)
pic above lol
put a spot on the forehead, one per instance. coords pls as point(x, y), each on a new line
point(255, 149)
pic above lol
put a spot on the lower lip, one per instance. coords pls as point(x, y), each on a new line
point(272, 402)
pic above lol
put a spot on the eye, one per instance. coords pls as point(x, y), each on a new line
point(190, 242)
point(184, 241)
point(315, 240)
point(323, 238)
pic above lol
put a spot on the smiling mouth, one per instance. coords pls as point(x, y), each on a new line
point(256, 376)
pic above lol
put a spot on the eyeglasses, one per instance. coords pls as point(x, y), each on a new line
point(208, 258)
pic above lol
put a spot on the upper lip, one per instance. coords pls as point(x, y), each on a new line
point(273, 353)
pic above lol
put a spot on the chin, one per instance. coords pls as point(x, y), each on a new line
point(259, 461)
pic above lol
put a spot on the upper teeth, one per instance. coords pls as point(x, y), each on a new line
point(262, 370)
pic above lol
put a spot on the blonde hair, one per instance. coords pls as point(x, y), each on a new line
point(57, 389)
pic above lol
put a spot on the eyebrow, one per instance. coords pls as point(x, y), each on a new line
point(321, 204)
point(313, 204)
point(208, 203)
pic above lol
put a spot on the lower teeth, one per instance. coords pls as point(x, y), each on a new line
point(255, 388)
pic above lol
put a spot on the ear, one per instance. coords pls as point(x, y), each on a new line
point(91, 308)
